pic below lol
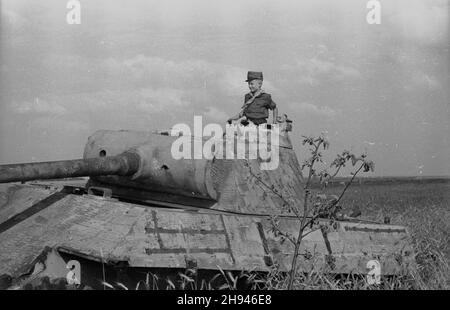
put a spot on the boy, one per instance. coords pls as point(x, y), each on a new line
point(256, 102)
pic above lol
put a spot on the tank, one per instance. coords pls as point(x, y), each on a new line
point(128, 207)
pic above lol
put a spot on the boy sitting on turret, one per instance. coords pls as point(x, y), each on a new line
point(256, 103)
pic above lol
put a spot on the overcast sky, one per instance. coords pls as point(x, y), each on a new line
point(147, 65)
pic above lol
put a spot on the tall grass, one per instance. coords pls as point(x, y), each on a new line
point(424, 208)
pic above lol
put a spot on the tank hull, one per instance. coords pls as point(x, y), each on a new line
point(143, 236)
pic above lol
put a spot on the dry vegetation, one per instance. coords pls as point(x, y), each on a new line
point(421, 205)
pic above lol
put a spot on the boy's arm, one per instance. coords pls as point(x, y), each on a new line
point(273, 106)
point(275, 116)
point(236, 117)
point(241, 113)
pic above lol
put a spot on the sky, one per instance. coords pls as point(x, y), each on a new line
point(148, 65)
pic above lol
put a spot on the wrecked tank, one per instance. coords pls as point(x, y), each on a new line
point(142, 210)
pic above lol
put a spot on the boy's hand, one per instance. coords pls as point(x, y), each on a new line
point(237, 121)
point(281, 118)
point(242, 119)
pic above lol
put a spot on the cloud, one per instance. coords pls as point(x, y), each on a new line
point(145, 83)
point(316, 30)
point(141, 72)
point(185, 74)
point(314, 71)
point(309, 109)
point(158, 100)
point(421, 79)
point(215, 114)
point(59, 125)
point(137, 100)
point(12, 19)
point(38, 106)
point(315, 66)
point(65, 62)
point(420, 21)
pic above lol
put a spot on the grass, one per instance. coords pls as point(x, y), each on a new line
point(423, 206)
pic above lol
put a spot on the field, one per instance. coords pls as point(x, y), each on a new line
point(423, 206)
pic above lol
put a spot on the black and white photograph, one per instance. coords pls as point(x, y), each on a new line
point(244, 147)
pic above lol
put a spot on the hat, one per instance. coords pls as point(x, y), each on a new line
point(253, 75)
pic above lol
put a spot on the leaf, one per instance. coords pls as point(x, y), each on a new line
point(371, 165)
point(182, 275)
point(334, 197)
point(171, 284)
point(366, 167)
point(321, 196)
point(354, 159)
point(233, 279)
point(137, 285)
point(107, 284)
point(122, 286)
point(215, 277)
point(147, 279)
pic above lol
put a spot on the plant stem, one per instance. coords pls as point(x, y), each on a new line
point(348, 184)
point(293, 270)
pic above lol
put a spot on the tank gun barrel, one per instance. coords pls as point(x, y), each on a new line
point(124, 164)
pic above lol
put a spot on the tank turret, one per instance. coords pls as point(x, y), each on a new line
point(130, 163)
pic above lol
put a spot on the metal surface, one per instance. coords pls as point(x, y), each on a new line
point(158, 171)
point(123, 164)
point(232, 184)
point(142, 236)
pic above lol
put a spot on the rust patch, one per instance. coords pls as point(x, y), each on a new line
point(263, 237)
point(165, 247)
point(184, 231)
point(376, 230)
point(325, 239)
point(268, 260)
point(158, 236)
point(227, 238)
point(148, 228)
point(41, 220)
point(149, 251)
point(331, 261)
